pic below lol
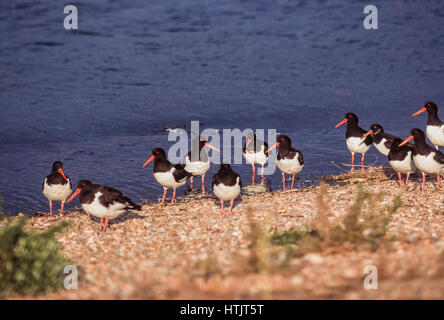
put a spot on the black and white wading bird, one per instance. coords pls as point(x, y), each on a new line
point(288, 159)
point(102, 202)
point(427, 159)
point(401, 159)
point(435, 127)
point(197, 161)
point(227, 186)
point(381, 140)
point(254, 151)
point(353, 137)
point(57, 186)
point(167, 174)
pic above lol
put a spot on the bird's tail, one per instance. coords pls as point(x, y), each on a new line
point(131, 205)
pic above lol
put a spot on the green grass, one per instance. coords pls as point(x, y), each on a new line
point(30, 262)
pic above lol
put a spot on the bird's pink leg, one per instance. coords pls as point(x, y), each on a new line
point(61, 208)
point(203, 183)
point(101, 223)
point(229, 213)
point(438, 181)
point(254, 172)
point(283, 181)
point(164, 195)
point(222, 207)
point(174, 196)
point(262, 174)
point(292, 181)
point(407, 180)
point(400, 179)
point(353, 162)
point(191, 183)
point(362, 161)
point(50, 208)
point(423, 182)
point(106, 225)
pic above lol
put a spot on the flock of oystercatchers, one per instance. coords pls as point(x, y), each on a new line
point(108, 203)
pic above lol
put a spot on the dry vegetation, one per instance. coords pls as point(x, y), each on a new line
point(305, 244)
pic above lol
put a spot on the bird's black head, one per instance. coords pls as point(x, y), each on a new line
point(83, 184)
point(158, 153)
point(225, 167)
point(376, 128)
point(431, 107)
point(57, 165)
point(283, 140)
point(417, 134)
point(350, 116)
point(396, 142)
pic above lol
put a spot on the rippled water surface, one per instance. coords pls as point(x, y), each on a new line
point(101, 98)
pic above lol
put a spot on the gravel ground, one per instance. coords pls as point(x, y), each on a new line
point(188, 251)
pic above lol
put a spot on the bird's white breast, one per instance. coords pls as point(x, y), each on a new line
point(56, 192)
point(381, 147)
point(289, 166)
point(226, 193)
point(97, 209)
point(436, 135)
point(166, 179)
point(427, 164)
point(197, 168)
point(256, 157)
point(404, 166)
point(356, 145)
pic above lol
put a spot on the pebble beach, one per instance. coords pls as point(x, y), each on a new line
point(188, 251)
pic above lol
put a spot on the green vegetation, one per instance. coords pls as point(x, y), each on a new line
point(30, 261)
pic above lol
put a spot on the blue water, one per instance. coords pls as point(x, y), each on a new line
point(101, 98)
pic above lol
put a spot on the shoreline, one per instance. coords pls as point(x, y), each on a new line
point(188, 251)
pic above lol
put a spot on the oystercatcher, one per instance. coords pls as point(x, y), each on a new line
point(435, 127)
point(198, 163)
point(401, 159)
point(167, 174)
point(353, 137)
point(102, 201)
point(227, 185)
point(427, 159)
point(288, 159)
point(381, 140)
point(57, 186)
point(254, 151)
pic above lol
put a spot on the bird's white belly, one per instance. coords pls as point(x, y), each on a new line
point(197, 168)
point(381, 147)
point(57, 192)
point(405, 166)
point(428, 164)
point(436, 135)
point(96, 209)
point(166, 179)
point(354, 145)
point(226, 193)
point(256, 157)
point(289, 166)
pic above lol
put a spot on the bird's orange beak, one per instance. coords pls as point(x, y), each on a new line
point(75, 194)
point(406, 140)
point(273, 146)
point(211, 147)
point(341, 123)
point(367, 134)
point(419, 111)
point(63, 174)
point(248, 142)
point(148, 161)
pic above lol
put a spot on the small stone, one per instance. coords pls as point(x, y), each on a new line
point(413, 238)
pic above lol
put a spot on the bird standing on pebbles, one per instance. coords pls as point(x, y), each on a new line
point(227, 186)
point(57, 186)
point(198, 162)
point(288, 159)
point(167, 174)
point(435, 127)
point(381, 140)
point(102, 201)
point(401, 159)
point(353, 137)
point(254, 151)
